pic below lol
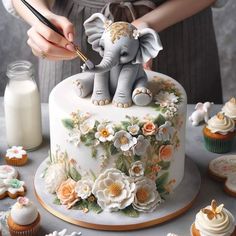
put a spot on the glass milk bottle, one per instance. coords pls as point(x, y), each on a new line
point(22, 107)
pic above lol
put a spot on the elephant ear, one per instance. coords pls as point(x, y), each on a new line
point(149, 47)
point(94, 28)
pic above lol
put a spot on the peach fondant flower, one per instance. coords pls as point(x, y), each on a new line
point(149, 128)
point(166, 152)
point(66, 193)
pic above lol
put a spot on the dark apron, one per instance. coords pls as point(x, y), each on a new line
point(190, 52)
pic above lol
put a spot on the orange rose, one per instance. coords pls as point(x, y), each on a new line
point(149, 128)
point(166, 152)
point(66, 193)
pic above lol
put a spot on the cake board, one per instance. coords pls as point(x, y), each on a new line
point(176, 204)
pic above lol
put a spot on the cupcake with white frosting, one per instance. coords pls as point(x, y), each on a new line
point(229, 109)
point(219, 133)
point(214, 221)
point(24, 218)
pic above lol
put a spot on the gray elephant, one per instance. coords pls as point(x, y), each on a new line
point(120, 74)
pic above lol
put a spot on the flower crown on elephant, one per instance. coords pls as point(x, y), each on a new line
point(120, 74)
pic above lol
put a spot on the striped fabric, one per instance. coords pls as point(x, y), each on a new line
point(190, 53)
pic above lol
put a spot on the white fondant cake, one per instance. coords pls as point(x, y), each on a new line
point(120, 150)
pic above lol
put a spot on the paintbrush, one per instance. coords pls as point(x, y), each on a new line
point(45, 21)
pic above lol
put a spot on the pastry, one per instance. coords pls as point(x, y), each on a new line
point(16, 156)
point(24, 218)
point(8, 172)
point(229, 109)
point(219, 133)
point(223, 169)
point(214, 220)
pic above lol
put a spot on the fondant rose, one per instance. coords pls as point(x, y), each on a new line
point(23, 201)
point(136, 169)
point(54, 176)
point(113, 190)
point(141, 146)
point(146, 197)
point(83, 188)
point(166, 152)
point(221, 124)
point(165, 132)
point(104, 133)
point(124, 140)
point(66, 193)
point(149, 128)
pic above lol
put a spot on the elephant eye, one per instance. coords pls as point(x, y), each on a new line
point(124, 54)
point(102, 47)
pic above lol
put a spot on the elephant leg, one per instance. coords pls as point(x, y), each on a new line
point(84, 84)
point(101, 93)
point(141, 95)
point(127, 77)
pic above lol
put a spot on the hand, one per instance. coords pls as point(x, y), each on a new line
point(148, 65)
point(45, 42)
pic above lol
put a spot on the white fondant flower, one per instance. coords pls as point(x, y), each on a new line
point(136, 169)
point(83, 188)
point(136, 33)
point(165, 98)
point(165, 132)
point(104, 133)
point(87, 126)
point(124, 140)
point(74, 137)
point(169, 114)
point(133, 129)
point(141, 146)
point(15, 152)
point(23, 201)
point(146, 197)
point(113, 190)
point(54, 176)
point(63, 233)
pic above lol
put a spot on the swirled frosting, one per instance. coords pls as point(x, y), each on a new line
point(221, 124)
point(222, 224)
point(229, 108)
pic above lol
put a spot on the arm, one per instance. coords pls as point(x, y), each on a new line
point(172, 12)
point(43, 40)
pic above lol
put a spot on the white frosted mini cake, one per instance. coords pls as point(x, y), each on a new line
point(110, 158)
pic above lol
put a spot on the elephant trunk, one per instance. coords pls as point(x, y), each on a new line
point(105, 65)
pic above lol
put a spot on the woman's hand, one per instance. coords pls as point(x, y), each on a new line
point(46, 43)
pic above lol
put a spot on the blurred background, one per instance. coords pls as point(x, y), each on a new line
point(13, 45)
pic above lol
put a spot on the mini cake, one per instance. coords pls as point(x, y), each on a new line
point(229, 109)
point(214, 220)
point(219, 133)
point(16, 156)
point(24, 218)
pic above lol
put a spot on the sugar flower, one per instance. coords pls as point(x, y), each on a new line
point(166, 98)
point(149, 128)
point(83, 188)
point(165, 132)
point(166, 152)
point(104, 132)
point(133, 129)
point(87, 126)
point(15, 152)
point(113, 190)
point(74, 137)
point(136, 169)
point(124, 140)
point(141, 146)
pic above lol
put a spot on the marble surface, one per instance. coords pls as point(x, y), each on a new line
point(13, 45)
point(194, 150)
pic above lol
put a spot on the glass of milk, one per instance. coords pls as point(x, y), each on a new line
point(22, 107)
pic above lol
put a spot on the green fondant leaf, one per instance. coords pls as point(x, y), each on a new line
point(121, 164)
point(94, 152)
point(74, 174)
point(93, 206)
point(57, 201)
point(130, 211)
point(160, 120)
point(113, 149)
point(161, 181)
point(80, 205)
point(68, 123)
point(165, 165)
point(125, 124)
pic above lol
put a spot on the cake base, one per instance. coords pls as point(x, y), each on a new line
point(176, 204)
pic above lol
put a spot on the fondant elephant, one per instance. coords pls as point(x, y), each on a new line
point(120, 74)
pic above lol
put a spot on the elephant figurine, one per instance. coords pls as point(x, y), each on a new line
point(120, 74)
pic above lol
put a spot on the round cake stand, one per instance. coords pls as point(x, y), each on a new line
point(176, 204)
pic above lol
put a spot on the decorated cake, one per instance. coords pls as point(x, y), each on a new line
point(123, 147)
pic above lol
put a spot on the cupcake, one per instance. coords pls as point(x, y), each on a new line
point(229, 109)
point(24, 218)
point(214, 220)
point(219, 133)
point(16, 156)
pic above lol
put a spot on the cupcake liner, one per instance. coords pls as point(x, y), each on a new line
point(29, 232)
point(16, 161)
point(218, 145)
